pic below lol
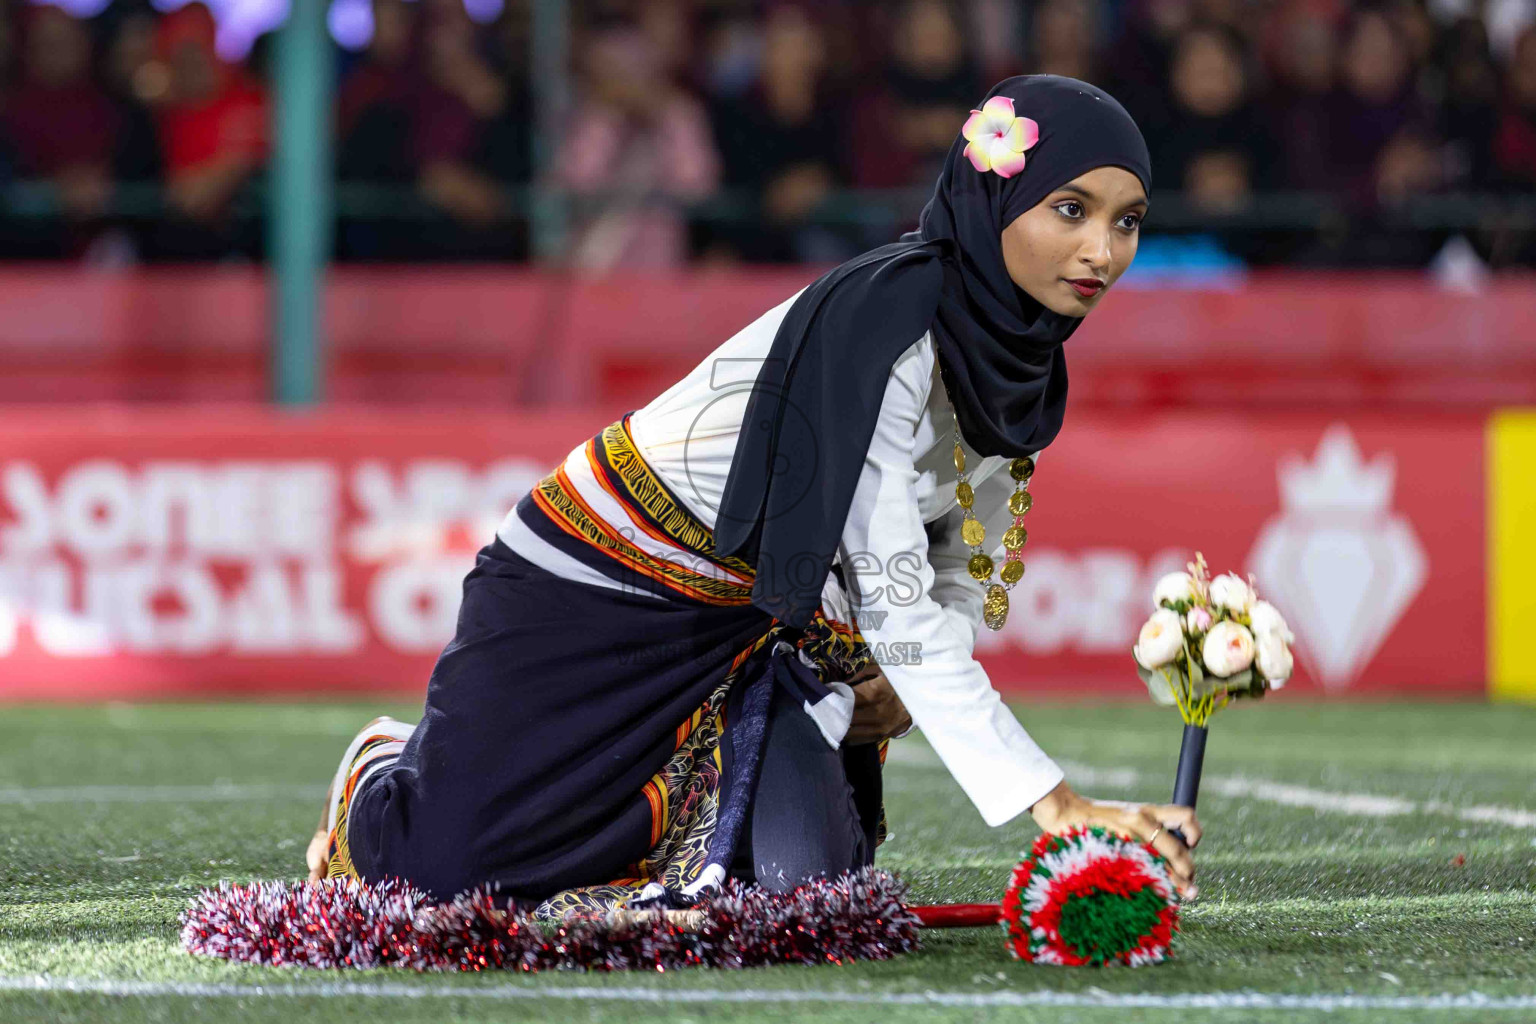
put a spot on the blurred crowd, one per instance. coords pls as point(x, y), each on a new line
point(136, 98)
point(721, 130)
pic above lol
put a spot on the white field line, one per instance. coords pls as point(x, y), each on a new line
point(1514, 817)
point(1329, 801)
point(1047, 998)
point(1289, 795)
point(1236, 787)
point(157, 794)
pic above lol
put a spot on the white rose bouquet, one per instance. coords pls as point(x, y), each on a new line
point(1207, 643)
point(1210, 641)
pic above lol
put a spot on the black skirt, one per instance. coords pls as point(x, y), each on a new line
point(580, 741)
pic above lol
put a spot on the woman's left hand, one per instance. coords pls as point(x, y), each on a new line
point(317, 855)
point(1061, 809)
point(878, 713)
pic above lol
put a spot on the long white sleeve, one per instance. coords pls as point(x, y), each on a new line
point(947, 692)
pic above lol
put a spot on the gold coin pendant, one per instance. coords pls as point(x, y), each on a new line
point(994, 607)
point(973, 531)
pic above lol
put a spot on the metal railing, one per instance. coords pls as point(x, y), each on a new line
point(1170, 211)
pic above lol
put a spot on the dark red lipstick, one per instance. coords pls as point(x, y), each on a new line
point(1087, 287)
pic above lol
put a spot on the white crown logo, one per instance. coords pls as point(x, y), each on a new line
point(1338, 479)
point(1337, 559)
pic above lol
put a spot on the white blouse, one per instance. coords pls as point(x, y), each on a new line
point(900, 549)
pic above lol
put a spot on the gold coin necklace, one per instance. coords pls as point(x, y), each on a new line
point(994, 606)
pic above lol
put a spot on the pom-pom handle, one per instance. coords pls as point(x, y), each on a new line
point(1186, 783)
point(959, 915)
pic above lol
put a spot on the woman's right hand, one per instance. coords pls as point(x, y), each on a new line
point(878, 714)
point(1061, 809)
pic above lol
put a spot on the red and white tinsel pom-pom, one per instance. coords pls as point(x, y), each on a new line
point(347, 924)
point(1090, 896)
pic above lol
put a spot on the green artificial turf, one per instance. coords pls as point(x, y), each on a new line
point(1380, 850)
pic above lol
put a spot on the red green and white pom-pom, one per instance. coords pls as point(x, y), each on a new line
point(1090, 896)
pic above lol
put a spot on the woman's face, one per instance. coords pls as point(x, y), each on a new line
point(1070, 247)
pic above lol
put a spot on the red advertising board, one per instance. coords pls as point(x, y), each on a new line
point(217, 552)
point(193, 552)
point(1367, 533)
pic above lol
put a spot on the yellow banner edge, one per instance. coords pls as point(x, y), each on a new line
point(1511, 552)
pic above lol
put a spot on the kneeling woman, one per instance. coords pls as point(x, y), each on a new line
point(663, 669)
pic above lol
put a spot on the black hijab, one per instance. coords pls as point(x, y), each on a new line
point(816, 399)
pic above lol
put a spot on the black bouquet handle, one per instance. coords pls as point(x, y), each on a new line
point(1186, 784)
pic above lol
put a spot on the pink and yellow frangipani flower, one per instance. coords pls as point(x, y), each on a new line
point(997, 138)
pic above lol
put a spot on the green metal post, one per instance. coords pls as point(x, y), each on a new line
point(299, 212)
point(551, 67)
